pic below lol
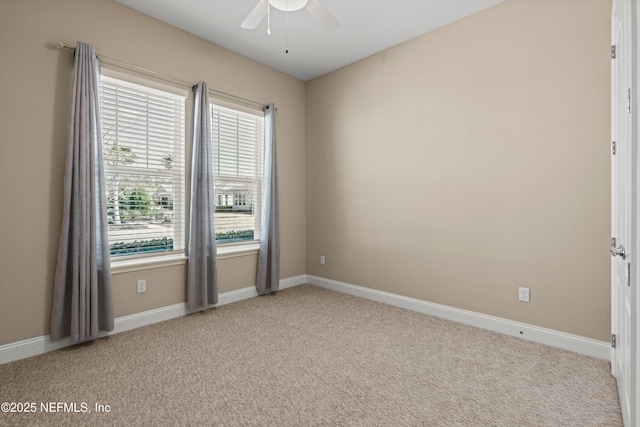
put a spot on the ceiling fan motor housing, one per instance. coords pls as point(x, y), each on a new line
point(288, 5)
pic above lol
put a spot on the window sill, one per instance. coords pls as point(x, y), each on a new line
point(223, 251)
point(137, 264)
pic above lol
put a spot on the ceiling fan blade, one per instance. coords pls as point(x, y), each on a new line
point(317, 9)
point(256, 15)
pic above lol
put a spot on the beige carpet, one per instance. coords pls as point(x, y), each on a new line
point(309, 356)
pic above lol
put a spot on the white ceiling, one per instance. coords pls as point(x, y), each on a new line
point(366, 27)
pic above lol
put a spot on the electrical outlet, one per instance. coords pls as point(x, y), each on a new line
point(322, 260)
point(142, 286)
point(523, 294)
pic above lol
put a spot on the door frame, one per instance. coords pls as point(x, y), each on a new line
point(634, 233)
point(635, 294)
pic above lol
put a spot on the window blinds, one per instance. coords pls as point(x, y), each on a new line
point(238, 147)
point(143, 147)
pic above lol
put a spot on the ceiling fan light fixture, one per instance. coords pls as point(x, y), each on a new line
point(263, 7)
point(288, 5)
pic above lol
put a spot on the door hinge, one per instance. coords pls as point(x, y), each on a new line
point(628, 274)
point(629, 100)
point(613, 340)
point(613, 148)
point(618, 250)
point(613, 51)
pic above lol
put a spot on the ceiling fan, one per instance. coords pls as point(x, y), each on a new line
point(314, 7)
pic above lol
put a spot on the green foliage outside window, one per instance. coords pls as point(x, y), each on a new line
point(166, 244)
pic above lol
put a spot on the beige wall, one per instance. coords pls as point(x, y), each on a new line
point(34, 115)
point(468, 162)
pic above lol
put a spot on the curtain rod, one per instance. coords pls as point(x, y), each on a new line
point(166, 77)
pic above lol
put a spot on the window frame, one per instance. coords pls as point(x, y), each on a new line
point(242, 247)
point(153, 259)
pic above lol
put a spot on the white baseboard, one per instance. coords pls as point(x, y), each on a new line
point(600, 349)
point(575, 343)
point(43, 344)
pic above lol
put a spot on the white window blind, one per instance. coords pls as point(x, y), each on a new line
point(238, 141)
point(143, 147)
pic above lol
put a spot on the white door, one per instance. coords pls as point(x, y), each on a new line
point(623, 211)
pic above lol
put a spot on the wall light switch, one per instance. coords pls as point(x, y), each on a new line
point(322, 260)
point(523, 294)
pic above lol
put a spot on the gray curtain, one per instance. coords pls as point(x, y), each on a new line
point(268, 273)
point(202, 283)
point(82, 303)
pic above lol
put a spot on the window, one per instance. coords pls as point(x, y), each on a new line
point(238, 150)
point(143, 148)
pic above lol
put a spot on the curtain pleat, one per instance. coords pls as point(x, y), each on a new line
point(82, 301)
point(268, 271)
point(202, 286)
